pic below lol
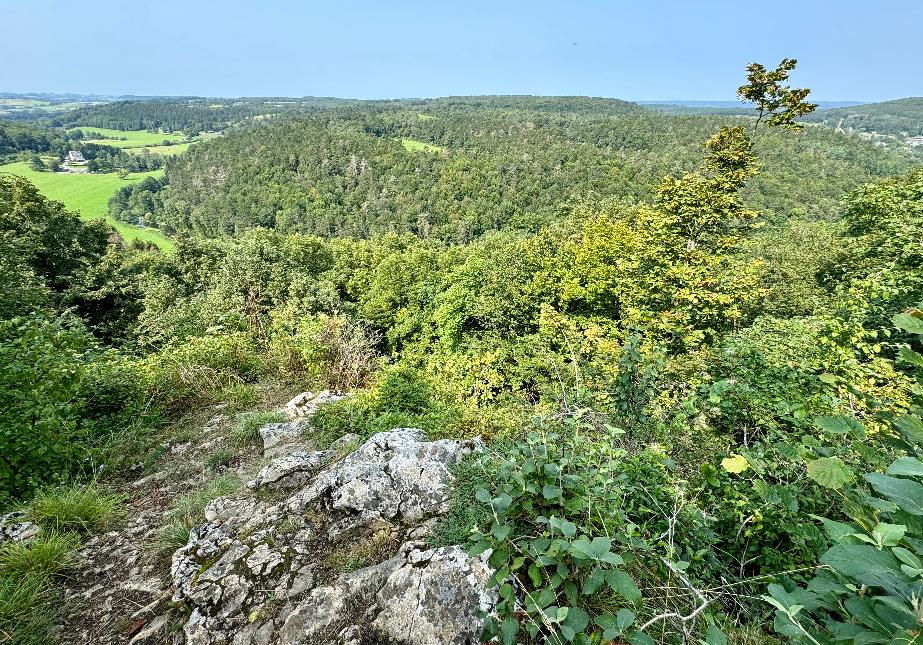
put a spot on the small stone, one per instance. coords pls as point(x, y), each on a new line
point(153, 633)
point(15, 528)
point(306, 403)
point(298, 462)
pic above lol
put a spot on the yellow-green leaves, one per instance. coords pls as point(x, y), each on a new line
point(780, 103)
point(735, 464)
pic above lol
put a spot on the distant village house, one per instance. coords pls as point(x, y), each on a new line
point(913, 142)
point(73, 156)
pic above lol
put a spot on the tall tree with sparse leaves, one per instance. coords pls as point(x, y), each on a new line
point(778, 103)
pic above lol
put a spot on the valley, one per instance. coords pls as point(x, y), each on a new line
point(88, 194)
point(506, 369)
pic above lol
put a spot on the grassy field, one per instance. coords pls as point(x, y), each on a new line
point(175, 149)
point(89, 195)
point(417, 146)
point(131, 138)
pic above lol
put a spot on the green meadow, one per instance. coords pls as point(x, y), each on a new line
point(131, 138)
point(89, 195)
point(417, 146)
point(175, 149)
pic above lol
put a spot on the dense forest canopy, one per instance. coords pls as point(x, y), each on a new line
point(691, 345)
point(491, 164)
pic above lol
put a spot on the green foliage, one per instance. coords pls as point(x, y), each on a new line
point(870, 585)
point(53, 241)
point(465, 511)
point(401, 397)
point(41, 367)
point(335, 352)
point(567, 513)
point(200, 370)
point(781, 104)
point(88, 507)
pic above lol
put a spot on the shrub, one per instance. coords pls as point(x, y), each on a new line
point(400, 398)
point(74, 508)
point(567, 512)
point(200, 370)
point(332, 351)
point(41, 372)
point(869, 586)
point(113, 390)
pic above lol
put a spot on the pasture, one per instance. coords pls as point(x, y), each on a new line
point(175, 149)
point(130, 138)
point(413, 145)
point(89, 195)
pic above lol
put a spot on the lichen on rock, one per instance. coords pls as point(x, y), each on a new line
point(249, 574)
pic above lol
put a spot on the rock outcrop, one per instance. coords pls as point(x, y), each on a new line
point(272, 572)
point(421, 597)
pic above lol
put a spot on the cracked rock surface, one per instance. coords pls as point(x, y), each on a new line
point(395, 475)
point(15, 528)
point(265, 572)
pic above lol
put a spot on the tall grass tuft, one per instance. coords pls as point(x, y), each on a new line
point(86, 507)
point(47, 554)
point(26, 610)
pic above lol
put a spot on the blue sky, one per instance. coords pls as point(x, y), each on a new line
point(639, 50)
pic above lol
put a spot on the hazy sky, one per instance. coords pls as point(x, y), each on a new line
point(642, 49)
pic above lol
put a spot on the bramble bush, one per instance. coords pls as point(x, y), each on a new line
point(574, 520)
point(869, 586)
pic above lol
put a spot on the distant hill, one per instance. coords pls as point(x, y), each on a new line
point(900, 118)
point(726, 107)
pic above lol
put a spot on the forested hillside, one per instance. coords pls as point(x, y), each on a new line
point(18, 137)
point(690, 346)
point(491, 164)
point(903, 117)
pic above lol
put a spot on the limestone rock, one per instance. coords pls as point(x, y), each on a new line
point(395, 475)
point(15, 528)
point(420, 597)
point(299, 463)
point(249, 574)
point(434, 597)
point(276, 436)
point(306, 403)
